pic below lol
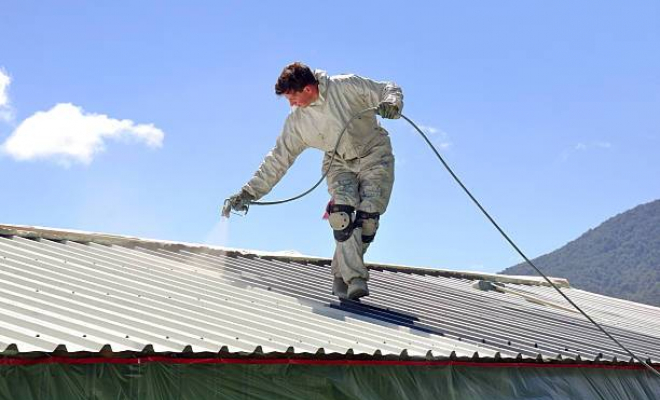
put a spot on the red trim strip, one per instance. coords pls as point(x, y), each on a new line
point(171, 360)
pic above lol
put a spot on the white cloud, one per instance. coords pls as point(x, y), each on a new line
point(5, 80)
point(67, 134)
point(428, 129)
point(604, 145)
point(5, 109)
point(439, 137)
point(581, 147)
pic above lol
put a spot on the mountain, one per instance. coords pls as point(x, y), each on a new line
point(620, 258)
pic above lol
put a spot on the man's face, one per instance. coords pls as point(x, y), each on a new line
point(305, 97)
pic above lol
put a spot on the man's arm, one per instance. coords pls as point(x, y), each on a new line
point(385, 95)
point(288, 147)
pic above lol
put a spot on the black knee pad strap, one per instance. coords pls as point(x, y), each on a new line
point(369, 224)
point(341, 220)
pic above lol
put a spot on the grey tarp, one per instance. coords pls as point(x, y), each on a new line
point(274, 380)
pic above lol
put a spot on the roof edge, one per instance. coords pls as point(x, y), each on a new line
point(284, 358)
point(36, 232)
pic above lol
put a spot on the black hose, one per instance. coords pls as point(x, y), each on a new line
point(508, 239)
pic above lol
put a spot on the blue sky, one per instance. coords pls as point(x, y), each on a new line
point(139, 118)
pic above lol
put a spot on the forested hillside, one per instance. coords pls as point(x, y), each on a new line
point(619, 258)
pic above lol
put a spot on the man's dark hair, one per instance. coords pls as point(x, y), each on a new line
point(294, 78)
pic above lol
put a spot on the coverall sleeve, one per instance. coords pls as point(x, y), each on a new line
point(288, 147)
point(375, 92)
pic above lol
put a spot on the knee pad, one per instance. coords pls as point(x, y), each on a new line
point(369, 224)
point(341, 221)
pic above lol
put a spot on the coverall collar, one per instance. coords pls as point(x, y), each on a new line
point(322, 77)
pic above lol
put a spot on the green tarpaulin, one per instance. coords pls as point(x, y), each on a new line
point(194, 380)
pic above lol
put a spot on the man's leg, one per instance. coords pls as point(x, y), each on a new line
point(343, 187)
point(369, 190)
point(347, 261)
point(376, 178)
point(375, 187)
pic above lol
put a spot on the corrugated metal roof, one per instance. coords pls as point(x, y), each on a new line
point(94, 290)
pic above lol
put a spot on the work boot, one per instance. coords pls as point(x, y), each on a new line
point(357, 288)
point(339, 287)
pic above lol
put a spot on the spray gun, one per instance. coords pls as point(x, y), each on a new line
point(227, 207)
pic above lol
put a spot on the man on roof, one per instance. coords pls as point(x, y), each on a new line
point(362, 173)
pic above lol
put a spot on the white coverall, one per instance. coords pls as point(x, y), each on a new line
point(362, 172)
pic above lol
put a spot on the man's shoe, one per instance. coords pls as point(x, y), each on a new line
point(339, 288)
point(358, 288)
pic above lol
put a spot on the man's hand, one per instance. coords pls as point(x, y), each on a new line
point(388, 110)
point(238, 202)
